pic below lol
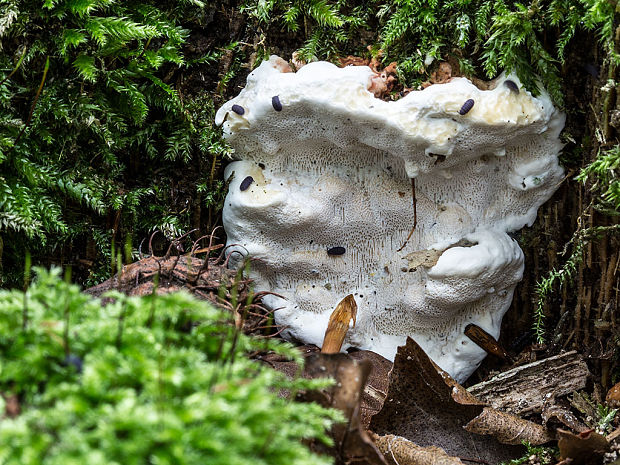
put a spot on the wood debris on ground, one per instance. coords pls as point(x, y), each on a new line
point(343, 315)
point(351, 439)
point(208, 278)
point(525, 388)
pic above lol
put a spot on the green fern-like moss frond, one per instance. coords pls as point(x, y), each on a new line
point(85, 66)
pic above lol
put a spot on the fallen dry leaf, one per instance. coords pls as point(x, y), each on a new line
point(338, 325)
point(351, 60)
point(400, 451)
point(507, 428)
point(428, 258)
point(425, 258)
point(376, 387)
point(420, 407)
point(352, 443)
point(375, 62)
point(482, 84)
point(586, 448)
point(443, 73)
point(552, 410)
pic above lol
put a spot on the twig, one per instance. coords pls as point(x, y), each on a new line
point(19, 62)
point(415, 214)
point(151, 242)
point(34, 103)
point(260, 295)
point(140, 249)
point(274, 334)
point(176, 241)
point(205, 266)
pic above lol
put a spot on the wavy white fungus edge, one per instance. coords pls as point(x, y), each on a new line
point(333, 169)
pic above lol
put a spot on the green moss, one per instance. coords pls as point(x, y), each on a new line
point(142, 380)
point(93, 129)
point(545, 455)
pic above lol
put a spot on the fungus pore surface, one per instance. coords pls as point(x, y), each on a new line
point(330, 204)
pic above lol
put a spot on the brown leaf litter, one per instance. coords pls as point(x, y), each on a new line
point(586, 448)
point(400, 451)
point(426, 418)
point(421, 406)
point(613, 396)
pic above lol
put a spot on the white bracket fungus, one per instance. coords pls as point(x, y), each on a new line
point(321, 199)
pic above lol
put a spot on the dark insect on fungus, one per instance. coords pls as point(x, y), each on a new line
point(468, 105)
point(512, 86)
point(246, 183)
point(238, 109)
point(336, 251)
point(275, 103)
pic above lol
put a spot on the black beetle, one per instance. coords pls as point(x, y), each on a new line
point(246, 183)
point(336, 251)
point(275, 103)
point(512, 86)
point(468, 105)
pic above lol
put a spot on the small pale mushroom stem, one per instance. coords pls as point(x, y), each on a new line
point(415, 214)
point(338, 325)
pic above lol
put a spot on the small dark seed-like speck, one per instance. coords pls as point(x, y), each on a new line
point(275, 102)
point(238, 109)
point(468, 105)
point(512, 86)
point(336, 251)
point(246, 183)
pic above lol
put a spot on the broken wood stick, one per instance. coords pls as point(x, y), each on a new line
point(525, 388)
point(338, 325)
point(486, 341)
